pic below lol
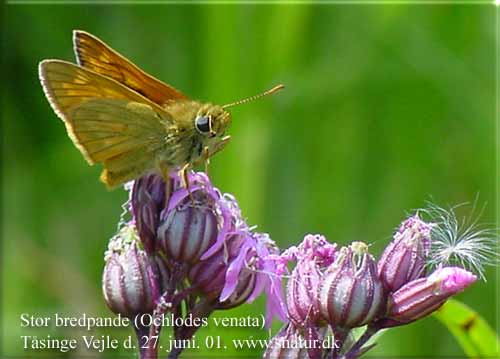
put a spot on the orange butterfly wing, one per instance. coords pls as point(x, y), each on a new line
point(95, 55)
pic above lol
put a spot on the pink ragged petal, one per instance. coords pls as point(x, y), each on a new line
point(178, 196)
point(275, 303)
point(233, 272)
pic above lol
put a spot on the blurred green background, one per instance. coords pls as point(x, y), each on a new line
point(385, 106)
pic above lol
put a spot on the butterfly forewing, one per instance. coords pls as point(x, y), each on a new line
point(95, 55)
point(109, 123)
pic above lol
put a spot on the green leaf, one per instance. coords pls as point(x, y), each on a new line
point(472, 332)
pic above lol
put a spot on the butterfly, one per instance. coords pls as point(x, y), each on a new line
point(133, 124)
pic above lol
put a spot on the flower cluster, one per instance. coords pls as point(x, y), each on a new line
point(332, 290)
point(187, 252)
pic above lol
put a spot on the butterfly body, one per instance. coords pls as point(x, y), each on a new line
point(186, 143)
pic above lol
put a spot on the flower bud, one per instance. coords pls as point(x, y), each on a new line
point(351, 295)
point(247, 282)
point(132, 279)
point(196, 223)
point(188, 230)
point(404, 258)
point(209, 276)
point(268, 276)
point(422, 296)
point(147, 200)
point(313, 255)
point(301, 289)
point(239, 272)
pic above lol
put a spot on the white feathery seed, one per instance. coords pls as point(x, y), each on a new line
point(465, 242)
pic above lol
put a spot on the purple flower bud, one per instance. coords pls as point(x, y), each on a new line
point(404, 258)
point(196, 223)
point(351, 295)
point(422, 296)
point(259, 250)
point(209, 276)
point(187, 231)
point(239, 272)
point(244, 289)
point(301, 289)
point(313, 255)
point(132, 279)
point(147, 200)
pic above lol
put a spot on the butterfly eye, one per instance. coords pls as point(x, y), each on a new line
point(203, 124)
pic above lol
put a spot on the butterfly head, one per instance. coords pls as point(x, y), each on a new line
point(212, 121)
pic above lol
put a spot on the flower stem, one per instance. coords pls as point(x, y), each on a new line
point(143, 332)
point(356, 350)
point(202, 309)
point(340, 335)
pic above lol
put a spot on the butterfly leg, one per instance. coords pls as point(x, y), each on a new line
point(206, 158)
point(185, 179)
point(166, 177)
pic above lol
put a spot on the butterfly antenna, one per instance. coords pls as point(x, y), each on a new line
point(248, 99)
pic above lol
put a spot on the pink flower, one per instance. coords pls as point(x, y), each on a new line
point(404, 259)
point(423, 296)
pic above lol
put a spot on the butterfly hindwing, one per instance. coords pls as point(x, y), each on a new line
point(127, 143)
point(109, 123)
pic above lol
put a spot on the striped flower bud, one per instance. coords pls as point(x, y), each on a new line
point(209, 276)
point(187, 231)
point(313, 255)
point(240, 271)
point(351, 295)
point(423, 296)
point(404, 259)
point(147, 201)
point(194, 221)
point(132, 279)
point(245, 288)
point(256, 258)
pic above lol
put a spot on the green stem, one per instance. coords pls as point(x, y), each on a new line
point(339, 336)
point(202, 309)
point(355, 351)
